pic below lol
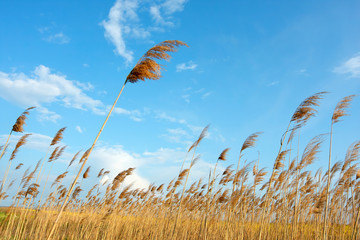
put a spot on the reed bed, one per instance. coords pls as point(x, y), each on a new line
point(288, 201)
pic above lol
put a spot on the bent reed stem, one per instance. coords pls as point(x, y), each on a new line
point(83, 165)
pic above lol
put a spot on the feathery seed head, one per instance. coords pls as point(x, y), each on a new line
point(147, 67)
point(306, 109)
point(222, 156)
point(250, 141)
point(21, 142)
point(341, 107)
point(86, 173)
point(20, 122)
point(58, 136)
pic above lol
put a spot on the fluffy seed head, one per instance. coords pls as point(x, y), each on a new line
point(341, 107)
point(201, 137)
point(147, 67)
point(58, 136)
point(306, 109)
point(86, 173)
point(250, 141)
point(21, 142)
point(20, 122)
point(222, 156)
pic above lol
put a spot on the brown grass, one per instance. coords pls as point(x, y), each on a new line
point(289, 201)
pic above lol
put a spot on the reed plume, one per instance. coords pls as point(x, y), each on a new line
point(86, 173)
point(307, 109)
point(20, 121)
point(73, 159)
point(58, 136)
point(249, 142)
point(147, 67)
point(22, 141)
point(17, 127)
point(339, 112)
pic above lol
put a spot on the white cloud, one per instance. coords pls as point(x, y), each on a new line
point(172, 6)
point(163, 155)
point(52, 34)
point(59, 38)
point(186, 97)
point(274, 83)
point(165, 116)
point(43, 29)
point(78, 128)
point(133, 114)
point(178, 135)
point(186, 66)
point(175, 135)
point(202, 92)
point(47, 115)
point(162, 12)
point(85, 86)
point(155, 13)
point(116, 159)
point(45, 87)
point(206, 95)
point(351, 66)
point(115, 26)
point(123, 22)
point(35, 141)
point(178, 131)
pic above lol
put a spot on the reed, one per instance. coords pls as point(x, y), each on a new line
point(291, 200)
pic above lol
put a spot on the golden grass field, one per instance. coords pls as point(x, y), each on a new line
point(246, 201)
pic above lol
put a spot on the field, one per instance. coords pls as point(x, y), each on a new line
point(245, 201)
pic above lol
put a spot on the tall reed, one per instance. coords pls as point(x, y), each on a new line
point(146, 68)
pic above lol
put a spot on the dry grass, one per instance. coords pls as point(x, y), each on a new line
point(247, 202)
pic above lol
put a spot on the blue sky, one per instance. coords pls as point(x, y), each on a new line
point(249, 65)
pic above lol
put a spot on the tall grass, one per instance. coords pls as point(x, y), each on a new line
point(289, 201)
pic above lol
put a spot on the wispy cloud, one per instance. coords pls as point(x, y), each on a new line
point(133, 114)
point(172, 6)
point(178, 135)
point(186, 66)
point(189, 93)
point(271, 84)
point(58, 38)
point(165, 116)
point(186, 97)
point(183, 134)
point(206, 95)
point(116, 26)
point(351, 67)
point(123, 22)
point(47, 115)
point(156, 15)
point(52, 34)
point(78, 128)
point(161, 13)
